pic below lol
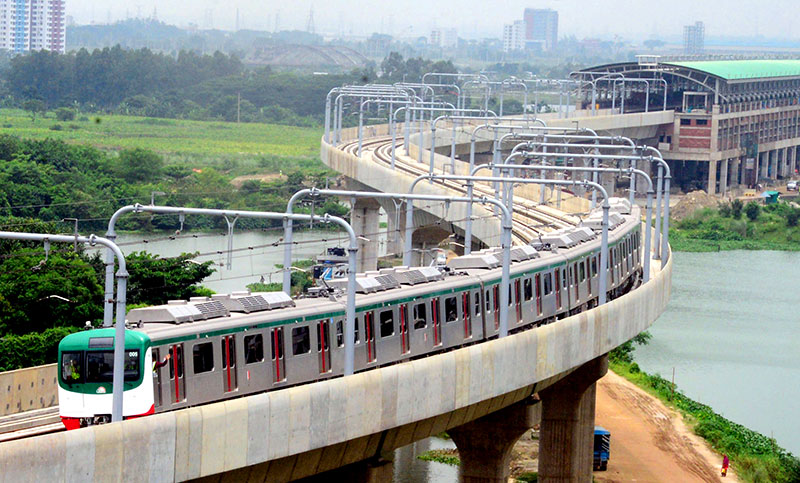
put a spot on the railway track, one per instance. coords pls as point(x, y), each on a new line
point(30, 423)
point(530, 218)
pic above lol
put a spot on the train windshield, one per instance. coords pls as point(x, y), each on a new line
point(97, 366)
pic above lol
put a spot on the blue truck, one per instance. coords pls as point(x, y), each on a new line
point(602, 448)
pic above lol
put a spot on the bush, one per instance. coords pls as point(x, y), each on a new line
point(752, 210)
point(65, 114)
point(34, 349)
point(736, 209)
point(56, 127)
point(792, 217)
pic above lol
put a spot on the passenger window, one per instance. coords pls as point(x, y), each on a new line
point(488, 302)
point(420, 316)
point(253, 349)
point(203, 357)
point(450, 309)
point(528, 289)
point(339, 334)
point(581, 272)
point(594, 266)
point(548, 283)
point(477, 303)
point(387, 323)
point(301, 342)
point(564, 281)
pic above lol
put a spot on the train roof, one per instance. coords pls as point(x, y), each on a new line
point(203, 316)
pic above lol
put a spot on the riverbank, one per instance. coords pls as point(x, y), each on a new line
point(738, 226)
point(754, 456)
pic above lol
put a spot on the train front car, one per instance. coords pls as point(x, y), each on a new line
point(86, 371)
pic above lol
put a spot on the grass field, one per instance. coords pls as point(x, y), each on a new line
point(170, 137)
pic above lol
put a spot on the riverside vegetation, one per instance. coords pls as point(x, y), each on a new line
point(755, 457)
point(738, 226)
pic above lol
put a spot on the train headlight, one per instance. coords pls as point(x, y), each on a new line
point(101, 390)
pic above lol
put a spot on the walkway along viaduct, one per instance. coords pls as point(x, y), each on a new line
point(480, 394)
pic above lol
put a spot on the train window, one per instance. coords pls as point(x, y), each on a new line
point(564, 280)
point(203, 357)
point(339, 333)
point(477, 303)
point(100, 366)
point(277, 342)
point(387, 323)
point(72, 367)
point(356, 338)
point(301, 343)
point(528, 289)
point(488, 302)
point(510, 296)
point(177, 360)
point(548, 284)
point(420, 316)
point(253, 349)
point(227, 343)
point(450, 309)
point(594, 266)
point(581, 272)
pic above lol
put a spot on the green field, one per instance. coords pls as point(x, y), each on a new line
point(170, 137)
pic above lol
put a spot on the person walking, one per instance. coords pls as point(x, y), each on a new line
point(725, 464)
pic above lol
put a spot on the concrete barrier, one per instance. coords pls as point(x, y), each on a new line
point(26, 389)
point(225, 436)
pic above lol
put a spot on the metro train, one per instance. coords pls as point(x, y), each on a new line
point(244, 343)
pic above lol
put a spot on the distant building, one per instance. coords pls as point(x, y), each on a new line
point(542, 25)
point(514, 36)
point(694, 38)
point(27, 25)
point(445, 38)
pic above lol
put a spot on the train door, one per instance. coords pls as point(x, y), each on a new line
point(228, 351)
point(453, 330)
point(177, 376)
point(557, 274)
point(538, 287)
point(255, 372)
point(421, 340)
point(301, 363)
point(436, 319)
point(369, 336)
point(467, 310)
point(496, 300)
point(405, 347)
point(278, 356)
point(157, 378)
point(389, 343)
point(324, 346)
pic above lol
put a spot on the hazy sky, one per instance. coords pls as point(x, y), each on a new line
point(630, 19)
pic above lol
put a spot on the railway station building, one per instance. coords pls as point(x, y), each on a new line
point(736, 122)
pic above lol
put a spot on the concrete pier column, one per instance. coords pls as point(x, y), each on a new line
point(712, 177)
point(567, 431)
point(723, 177)
point(736, 164)
point(763, 159)
point(364, 219)
point(395, 229)
point(773, 164)
point(484, 445)
point(792, 161)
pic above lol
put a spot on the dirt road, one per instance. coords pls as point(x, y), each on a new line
point(650, 443)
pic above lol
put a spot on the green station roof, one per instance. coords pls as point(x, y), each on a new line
point(744, 69)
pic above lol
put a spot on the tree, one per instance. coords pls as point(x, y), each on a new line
point(34, 107)
point(792, 217)
point(154, 280)
point(61, 290)
point(752, 210)
point(139, 165)
point(65, 114)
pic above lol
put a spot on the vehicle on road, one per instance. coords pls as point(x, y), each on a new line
point(791, 186)
point(602, 448)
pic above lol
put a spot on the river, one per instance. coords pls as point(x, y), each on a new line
point(255, 252)
point(732, 334)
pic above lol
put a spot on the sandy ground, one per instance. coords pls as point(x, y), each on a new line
point(649, 442)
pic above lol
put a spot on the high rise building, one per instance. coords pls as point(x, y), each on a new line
point(514, 36)
point(541, 25)
point(445, 38)
point(27, 25)
point(694, 38)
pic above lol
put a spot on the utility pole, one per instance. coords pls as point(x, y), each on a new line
point(238, 107)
